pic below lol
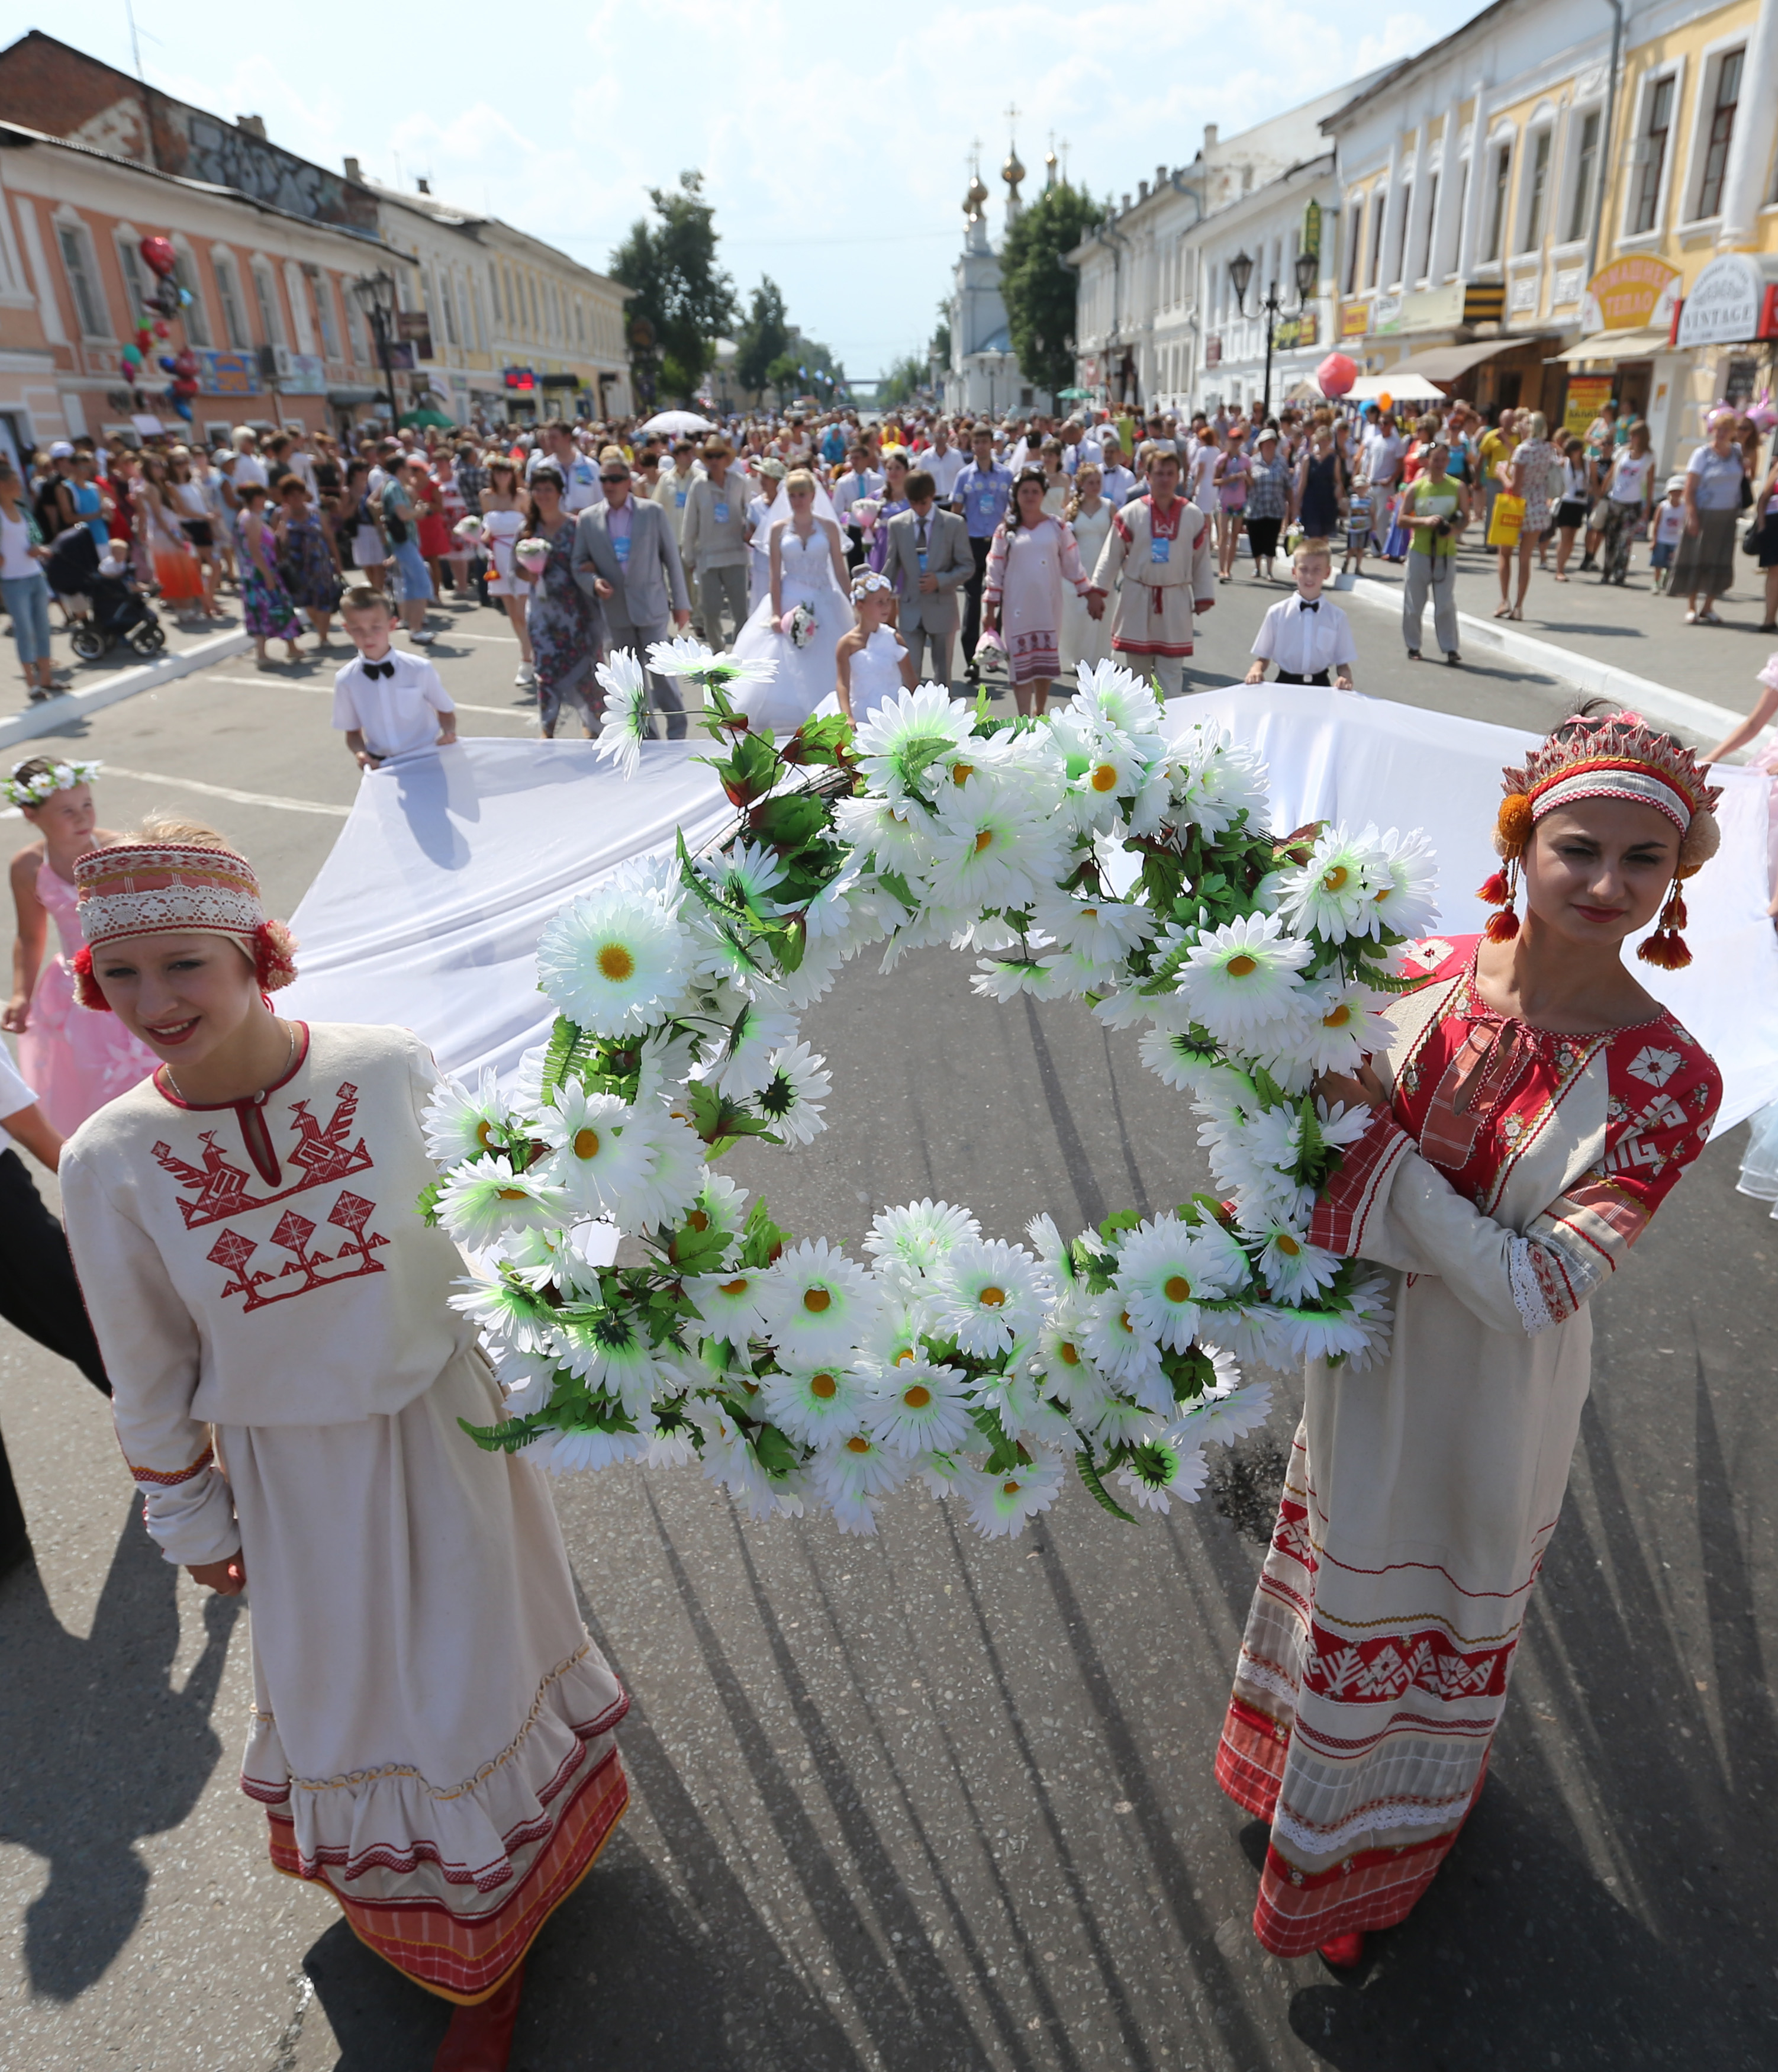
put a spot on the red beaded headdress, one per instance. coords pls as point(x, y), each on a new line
point(174, 888)
point(1620, 756)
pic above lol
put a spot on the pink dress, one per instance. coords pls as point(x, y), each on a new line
point(77, 1058)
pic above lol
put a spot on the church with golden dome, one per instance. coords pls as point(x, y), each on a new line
point(984, 377)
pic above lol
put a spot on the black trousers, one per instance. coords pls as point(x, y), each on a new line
point(972, 598)
point(40, 1296)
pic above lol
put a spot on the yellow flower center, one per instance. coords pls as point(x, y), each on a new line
point(992, 1298)
point(1382, 893)
point(697, 1220)
point(734, 1287)
point(1335, 877)
point(512, 1193)
point(1123, 1319)
point(1178, 1289)
point(1239, 967)
point(903, 1357)
point(961, 773)
point(917, 1397)
point(1089, 913)
point(984, 840)
point(484, 1135)
point(815, 1299)
point(616, 963)
point(586, 1143)
point(1338, 1019)
point(1288, 1246)
point(1068, 1353)
point(824, 1386)
point(1010, 1489)
point(1105, 777)
point(858, 1443)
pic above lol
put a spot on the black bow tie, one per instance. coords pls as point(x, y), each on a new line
point(1305, 604)
point(379, 668)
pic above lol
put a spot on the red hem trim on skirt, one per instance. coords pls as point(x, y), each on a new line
point(1150, 648)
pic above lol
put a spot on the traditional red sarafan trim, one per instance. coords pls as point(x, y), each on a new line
point(1346, 1203)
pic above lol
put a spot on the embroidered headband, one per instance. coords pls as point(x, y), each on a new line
point(1618, 757)
point(142, 888)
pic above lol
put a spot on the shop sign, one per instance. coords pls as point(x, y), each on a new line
point(1354, 319)
point(1300, 330)
point(1632, 293)
point(1433, 309)
point(1586, 394)
point(303, 374)
point(414, 327)
point(227, 373)
point(1213, 349)
point(1731, 302)
point(1385, 316)
point(521, 380)
point(1311, 229)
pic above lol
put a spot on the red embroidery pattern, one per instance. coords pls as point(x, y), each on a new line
point(234, 1249)
point(171, 1477)
point(320, 1154)
point(1381, 1670)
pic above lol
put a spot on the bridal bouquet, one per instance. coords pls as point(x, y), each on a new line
point(797, 625)
point(532, 556)
point(1095, 856)
point(469, 529)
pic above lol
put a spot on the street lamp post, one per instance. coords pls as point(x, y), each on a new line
point(1240, 277)
point(370, 293)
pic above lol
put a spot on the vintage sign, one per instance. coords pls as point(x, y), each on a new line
point(1635, 293)
point(1731, 302)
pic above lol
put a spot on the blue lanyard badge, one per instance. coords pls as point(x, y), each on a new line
point(621, 547)
point(721, 510)
point(922, 553)
point(679, 498)
point(1160, 550)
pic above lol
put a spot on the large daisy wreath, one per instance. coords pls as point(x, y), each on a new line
point(796, 1374)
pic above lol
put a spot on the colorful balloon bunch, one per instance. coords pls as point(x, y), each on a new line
point(167, 301)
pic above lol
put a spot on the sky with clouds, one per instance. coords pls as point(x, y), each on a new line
point(834, 145)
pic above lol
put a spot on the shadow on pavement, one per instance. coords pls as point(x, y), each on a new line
point(99, 1748)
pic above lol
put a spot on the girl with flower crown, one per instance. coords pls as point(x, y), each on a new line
point(1534, 1108)
point(76, 1060)
point(431, 1736)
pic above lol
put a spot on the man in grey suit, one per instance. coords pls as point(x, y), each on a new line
point(625, 555)
point(928, 562)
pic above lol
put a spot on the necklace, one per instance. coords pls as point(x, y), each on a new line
point(259, 1097)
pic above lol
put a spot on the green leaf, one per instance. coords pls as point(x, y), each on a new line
point(761, 1240)
point(566, 1043)
point(426, 1206)
point(790, 820)
point(777, 1455)
point(513, 1434)
point(1090, 1476)
point(1125, 1219)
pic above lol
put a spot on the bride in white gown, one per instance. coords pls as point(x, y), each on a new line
point(807, 567)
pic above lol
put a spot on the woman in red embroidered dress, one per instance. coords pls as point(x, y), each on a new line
point(1534, 1108)
point(431, 1730)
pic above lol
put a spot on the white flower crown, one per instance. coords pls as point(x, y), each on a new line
point(33, 790)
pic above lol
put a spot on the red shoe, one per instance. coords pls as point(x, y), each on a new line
point(1342, 1951)
point(480, 2038)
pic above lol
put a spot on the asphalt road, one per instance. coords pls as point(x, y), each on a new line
point(927, 1802)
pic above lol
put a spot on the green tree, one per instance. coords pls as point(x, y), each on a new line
point(941, 336)
point(805, 367)
point(1038, 285)
point(901, 380)
point(682, 301)
point(765, 333)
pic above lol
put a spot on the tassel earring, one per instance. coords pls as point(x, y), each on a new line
point(1501, 891)
point(1666, 948)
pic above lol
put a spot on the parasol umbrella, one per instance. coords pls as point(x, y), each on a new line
point(421, 418)
point(1073, 395)
point(671, 423)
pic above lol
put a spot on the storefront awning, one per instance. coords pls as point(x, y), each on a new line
point(1605, 348)
point(1446, 363)
point(354, 392)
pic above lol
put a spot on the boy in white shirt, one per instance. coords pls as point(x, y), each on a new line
point(1307, 635)
point(387, 703)
point(1669, 529)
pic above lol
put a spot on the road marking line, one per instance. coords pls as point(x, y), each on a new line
point(228, 792)
point(326, 691)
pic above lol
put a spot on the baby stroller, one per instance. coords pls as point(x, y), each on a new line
point(114, 610)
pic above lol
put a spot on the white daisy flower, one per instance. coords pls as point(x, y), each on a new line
point(1332, 895)
point(814, 976)
point(1292, 1268)
point(481, 1200)
point(1159, 1473)
point(1072, 974)
point(1243, 975)
point(661, 1196)
point(607, 1350)
point(745, 874)
point(853, 1516)
point(817, 1304)
point(988, 1294)
point(528, 1377)
point(1116, 1342)
point(1178, 1058)
point(1045, 1241)
point(1061, 1359)
point(603, 1148)
point(903, 730)
point(891, 830)
point(729, 1302)
point(1405, 883)
point(999, 980)
point(462, 1124)
point(692, 661)
point(758, 1034)
point(1023, 1409)
point(902, 1318)
point(791, 1098)
point(614, 963)
point(994, 855)
point(1121, 1421)
point(1109, 694)
point(729, 1459)
point(920, 1408)
point(1165, 1268)
point(1105, 929)
point(625, 725)
point(671, 1447)
point(814, 1403)
point(721, 1206)
point(1214, 781)
point(858, 1466)
point(715, 952)
point(1340, 1125)
point(1222, 1418)
point(585, 1446)
point(507, 1312)
point(1000, 1506)
point(917, 1236)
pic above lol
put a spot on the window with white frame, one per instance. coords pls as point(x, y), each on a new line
point(234, 309)
point(196, 312)
point(1404, 215)
point(494, 291)
point(1722, 92)
point(1500, 185)
point(1649, 152)
point(271, 317)
point(321, 302)
point(1580, 197)
point(464, 325)
point(1431, 226)
point(1379, 201)
point(78, 263)
point(357, 338)
point(1355, 245)
point(1536, 217)
point(1454, 243)
point(129, 264)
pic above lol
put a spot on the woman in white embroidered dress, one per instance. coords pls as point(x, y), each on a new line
point(1533, 1108)
point(432, 1735)
point(1031, 557)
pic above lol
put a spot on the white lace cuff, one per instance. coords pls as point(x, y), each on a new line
point(1528, 1298)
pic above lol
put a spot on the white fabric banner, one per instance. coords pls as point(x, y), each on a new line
point(428, 911)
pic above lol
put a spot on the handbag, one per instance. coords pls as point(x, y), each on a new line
point(1508, 520)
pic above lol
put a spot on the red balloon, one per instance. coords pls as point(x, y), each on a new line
point(158, 254)
point(1336, 375)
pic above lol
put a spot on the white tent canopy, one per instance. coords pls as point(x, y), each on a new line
point(1403, 387)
